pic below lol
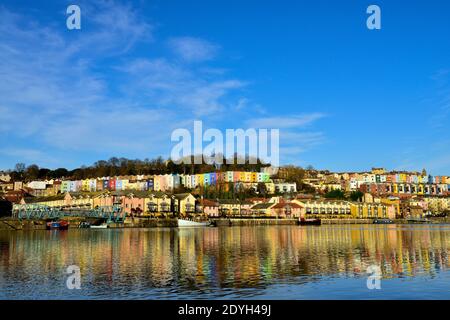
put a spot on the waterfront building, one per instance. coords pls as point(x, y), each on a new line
point(263, 209)
point(79, 200)
point(184, 204)
point(209, 207)
point(325, 208)
point(394, 202)
point(104, 199)
point(364, 210)
point(286, 210)
point(157, 203)
point(229, 207)
point(73, 200)
point(133, 203)
point(436, 205)
point(52, 201)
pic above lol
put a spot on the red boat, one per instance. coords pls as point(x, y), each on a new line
point(306, 222)
point(58, 225)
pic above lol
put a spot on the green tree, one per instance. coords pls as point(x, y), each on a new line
point(356, 196)
point(31, 172)
point(335, 194)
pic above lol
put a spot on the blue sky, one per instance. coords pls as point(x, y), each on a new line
point(344, 97)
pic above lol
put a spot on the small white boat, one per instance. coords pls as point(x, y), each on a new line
point(182, 223)
point(102, 226)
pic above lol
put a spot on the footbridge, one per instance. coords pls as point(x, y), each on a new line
point(113, 213)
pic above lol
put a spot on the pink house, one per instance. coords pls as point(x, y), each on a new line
point(133, 204)
point(287, 210)
point(210, 208)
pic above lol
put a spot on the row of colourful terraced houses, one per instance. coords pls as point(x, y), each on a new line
point(165, 182)
point(144, 203)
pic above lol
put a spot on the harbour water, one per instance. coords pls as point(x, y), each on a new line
point(266, 262)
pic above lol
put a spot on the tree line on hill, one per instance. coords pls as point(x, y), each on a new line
point(127, 167)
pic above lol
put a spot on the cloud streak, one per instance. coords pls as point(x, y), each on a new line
point(192, 49)
point(289, 121)
point(68, 95)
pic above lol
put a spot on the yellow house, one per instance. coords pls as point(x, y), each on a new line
point(79, 200)
point(254, 177)
point(392, 202)
point(366, 210)
point(85, 185)
point(200, 179)
point(184, 204)
point(69, 199)
point(229, 207)
point(157, 202)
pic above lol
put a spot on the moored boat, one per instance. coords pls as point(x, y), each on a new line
point(84, 225)
point(101, 226)
point(312, 222)
point(383, 221)
point(182, 223)
point(58, 225)
point(418, 220)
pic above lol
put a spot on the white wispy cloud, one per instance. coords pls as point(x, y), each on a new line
point(192, 49)
point(76, 92)
point(287, 121)
point(171, 85)
point(57, 91)
point(297, 133)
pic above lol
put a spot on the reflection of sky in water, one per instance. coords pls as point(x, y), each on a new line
point(288, 262)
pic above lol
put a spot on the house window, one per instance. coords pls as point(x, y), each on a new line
point(288, 210)
point(152, 207)
point(189, 207)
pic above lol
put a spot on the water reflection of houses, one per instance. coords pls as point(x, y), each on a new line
point(246, 257)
